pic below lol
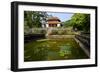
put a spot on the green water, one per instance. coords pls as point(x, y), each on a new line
point(53, 49)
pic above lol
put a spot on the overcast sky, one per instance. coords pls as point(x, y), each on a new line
point(61, 16)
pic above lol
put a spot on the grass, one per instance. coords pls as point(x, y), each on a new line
point(53, 49)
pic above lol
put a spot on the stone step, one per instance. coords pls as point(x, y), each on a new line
point(83, 40)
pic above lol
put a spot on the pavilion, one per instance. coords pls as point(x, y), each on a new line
point(53, 22)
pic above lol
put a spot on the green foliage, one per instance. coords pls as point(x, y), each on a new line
point(79, 21)
point(67, 23)
point(28, 19)
point(54, 32)
point(37, 31)
point(34, 18)
point(63, 31)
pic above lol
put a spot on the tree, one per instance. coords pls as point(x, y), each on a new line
point(28, 19)
point(81, 21)
point(67, 23)
point(34, 18)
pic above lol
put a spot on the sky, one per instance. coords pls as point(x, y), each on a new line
point(61, 16)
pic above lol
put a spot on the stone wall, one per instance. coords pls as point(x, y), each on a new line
point(59, 36)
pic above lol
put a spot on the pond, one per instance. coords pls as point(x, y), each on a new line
point(53, 49)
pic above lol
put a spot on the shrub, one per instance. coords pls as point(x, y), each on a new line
point(37, 31)
point(62, 32)
point(54, 32)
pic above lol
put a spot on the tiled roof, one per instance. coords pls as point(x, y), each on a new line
point(53, 22)
point(53, 18)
